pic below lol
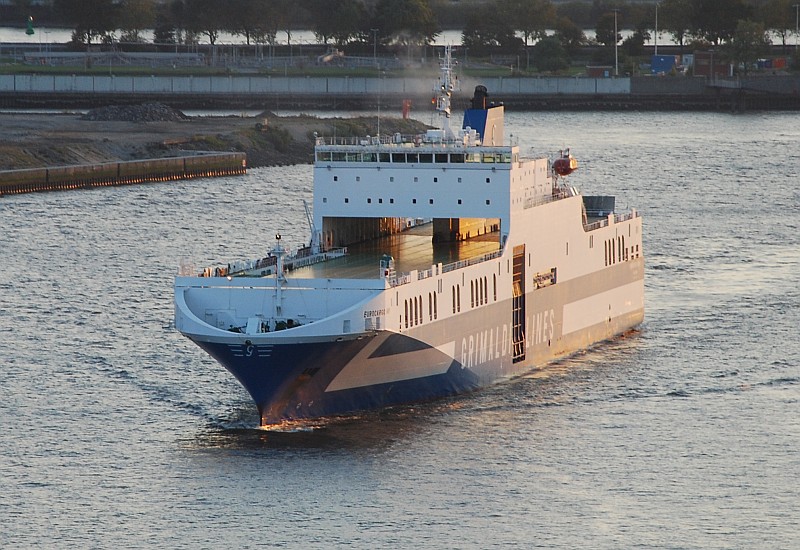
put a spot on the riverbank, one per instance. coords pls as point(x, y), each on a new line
point(41, 140)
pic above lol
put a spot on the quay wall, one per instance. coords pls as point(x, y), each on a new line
point(61, 178)
point(366, 93)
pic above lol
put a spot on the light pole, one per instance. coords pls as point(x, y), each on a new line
point(796, 20)
point(656, 52)
point(616, 55)
point(375, 46)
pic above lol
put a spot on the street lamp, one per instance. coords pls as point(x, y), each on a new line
point(375, 46)
point(796, 20)
point(656, 34)
point(616, 55)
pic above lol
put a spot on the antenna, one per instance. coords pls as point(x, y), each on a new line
point(444, 92)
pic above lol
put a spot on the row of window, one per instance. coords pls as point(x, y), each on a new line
point(413, 313)
point(479, 291)
point(391, 201)
point(618, 252)
point(405, 158)
point(416, 179)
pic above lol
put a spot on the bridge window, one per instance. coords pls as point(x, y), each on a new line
point(426, 157)
point(398, 157)
point(457, 158)
point(383, 157)
point(441, 157)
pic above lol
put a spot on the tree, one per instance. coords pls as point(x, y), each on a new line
point(716, 20)
point(405, 21)
point(206, 17)
point(340, 20)
point(749, 42)
point(570, 35)
point(135, 17)
point(676, 17)
point(91, 18)
point(605, 29)
point(549, 55)
point(489, 30)
point(248, 18)
point(778, 17)
point(531, 17)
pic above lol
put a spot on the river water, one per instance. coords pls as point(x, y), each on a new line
point(115, 431)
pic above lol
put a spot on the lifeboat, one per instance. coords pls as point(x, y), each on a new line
point(565, 164)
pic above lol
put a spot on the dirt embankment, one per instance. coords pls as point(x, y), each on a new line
point(152, 131)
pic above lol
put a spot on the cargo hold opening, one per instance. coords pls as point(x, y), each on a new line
point(342, 232)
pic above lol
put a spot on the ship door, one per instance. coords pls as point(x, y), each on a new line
point(518, 305)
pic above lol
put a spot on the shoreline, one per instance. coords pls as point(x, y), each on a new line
point(31, 140)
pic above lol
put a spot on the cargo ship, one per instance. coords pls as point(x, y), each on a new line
point(437, 264)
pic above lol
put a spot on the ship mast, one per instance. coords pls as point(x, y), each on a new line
point(445, 91)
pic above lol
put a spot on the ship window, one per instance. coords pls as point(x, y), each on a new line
point(435, 307)
point(369, 201)
point(391, 179)
point(358, 178)
point(459, 180)
point(337, 157)
point(383, 157)
point(324, 199)
point(494, 285)
point(459, 201)
point(426, 157)
point(405, 303)
point(488, 180)
point(353, 157)
point(435, 180)
point(346, 200)
point(505, 158)
point(488, 201)
point(398, 157)
point(454, 299)
point(391, 201)
point(457, 158)
point(430, 201)
point(472, 157)
point(369, 157)
point(416, 313)
point(414, 201)
point(416, 179)
point(412, 157)
point(488, 157)
point(458, 298)
point(441, 157)
point(324, 155)
point(471, 294)
point(430, 306)
point(380, 201)
point(335, 178)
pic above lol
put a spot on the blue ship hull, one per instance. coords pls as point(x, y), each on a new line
point(291, 381)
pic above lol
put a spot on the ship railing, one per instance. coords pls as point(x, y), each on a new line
point(262, 266)
point(562, 193)
point(618, 218)
point(392, 140)
point(298, 262)
point(406, 278)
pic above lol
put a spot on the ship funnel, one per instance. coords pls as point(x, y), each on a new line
point(479, 97)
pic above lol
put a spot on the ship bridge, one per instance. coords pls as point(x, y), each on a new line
point(373, 187)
